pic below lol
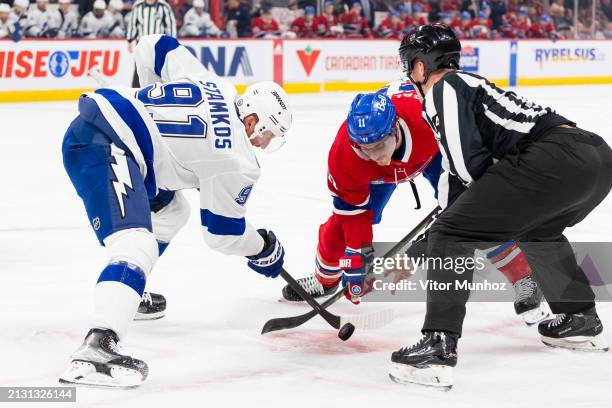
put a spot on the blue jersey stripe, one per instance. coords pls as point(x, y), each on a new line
point(125, 273)
point(162, 47)
point(342, 205)
point(221, 225)
point(128, 113)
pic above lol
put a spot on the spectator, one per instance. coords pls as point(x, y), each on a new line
point(265, 26)
point(42, 22)
point(96, 23)
point(305, 27)
point(481, 27)
point(498, 9)
point(69, 23)
point(434, 12)
point(557, 10)
point(543, 28)
point(391, 27)
point(115, 7)
point(238, 19)
point(7, 28)
point(285, 16)
point(468, 5)
point(522, 24)
point(355, 26)
point(608, 30)
point(366, 7)
point(197, 22)
point(606, 9)
point(327, 22)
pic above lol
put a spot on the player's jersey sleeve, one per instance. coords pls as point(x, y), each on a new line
point(160, 58)
point(222, 214)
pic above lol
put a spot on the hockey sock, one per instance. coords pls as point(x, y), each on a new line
point(327, 273)
point(510, 260)
point(117, 296)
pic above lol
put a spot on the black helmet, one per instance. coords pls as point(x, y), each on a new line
point(434, 44)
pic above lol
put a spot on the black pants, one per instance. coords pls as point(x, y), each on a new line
point(531, 196)
point(135, 79)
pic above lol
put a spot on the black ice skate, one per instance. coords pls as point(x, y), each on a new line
point(429, 362)
point(98, 362)
point(528, 301)
point(580, 331)
point(312, 286)
point(152, 307)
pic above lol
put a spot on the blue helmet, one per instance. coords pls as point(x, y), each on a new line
point(371, 118)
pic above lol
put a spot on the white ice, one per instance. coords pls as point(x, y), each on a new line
point(208, 351)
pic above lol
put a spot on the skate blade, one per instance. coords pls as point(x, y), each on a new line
point(579, 343)
point(536, 315)
point(434, 376)
point(84, 373)
point(149, 316)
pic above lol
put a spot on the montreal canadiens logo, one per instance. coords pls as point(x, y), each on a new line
point(356, 290)
point(59, 64)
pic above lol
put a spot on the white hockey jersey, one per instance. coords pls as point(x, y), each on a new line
point(69, 24)
point(93, 27)
point(196, 25)
point(6, 28)
point(41, 21)
point(118, 27)
point(183, 130)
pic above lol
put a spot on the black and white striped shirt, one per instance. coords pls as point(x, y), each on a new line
point(476, 123)
point(151, 19)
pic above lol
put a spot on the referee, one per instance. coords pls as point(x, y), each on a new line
point(149, 17)
point(513, 170)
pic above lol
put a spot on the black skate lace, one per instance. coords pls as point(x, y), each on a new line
point(557, 321)
point(311, 285)
point(524, 289)
point(146, 297)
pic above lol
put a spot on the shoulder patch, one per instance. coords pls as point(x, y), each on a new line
point(243, 196)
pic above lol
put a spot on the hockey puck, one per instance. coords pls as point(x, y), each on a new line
point(346, 331)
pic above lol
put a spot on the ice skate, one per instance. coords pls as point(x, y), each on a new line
point(312, 286)
point(98, 362)
point(528, 301)
point(429, 362)
point(579, 331)
point(152, 307)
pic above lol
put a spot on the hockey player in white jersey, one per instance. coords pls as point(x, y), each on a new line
point(42, 22)
point(7, 28)
point(69, 23)
point(197, 22)
point(118, 27)
point(131, 151)
point(98, 22)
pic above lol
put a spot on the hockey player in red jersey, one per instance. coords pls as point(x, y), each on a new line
point(384, 141)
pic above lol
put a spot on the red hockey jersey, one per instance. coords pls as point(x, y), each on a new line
point(355, 183)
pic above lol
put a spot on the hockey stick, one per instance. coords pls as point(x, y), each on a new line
point(367, 321)
point(95, 73)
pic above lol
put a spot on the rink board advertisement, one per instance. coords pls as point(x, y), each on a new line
point(38, 70)
point(345, 65)
point(563, 62)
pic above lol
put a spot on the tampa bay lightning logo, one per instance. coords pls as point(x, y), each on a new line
point(59, 64)
point(243, 196)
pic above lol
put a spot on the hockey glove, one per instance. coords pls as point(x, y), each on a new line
point(270, 260)
point(354, 267)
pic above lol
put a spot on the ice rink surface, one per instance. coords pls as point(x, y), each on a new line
point(207, 351)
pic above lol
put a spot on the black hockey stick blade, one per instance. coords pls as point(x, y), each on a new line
point(283, 323)
point(330, 318)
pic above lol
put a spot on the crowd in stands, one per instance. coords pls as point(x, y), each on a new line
point(478, 19)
